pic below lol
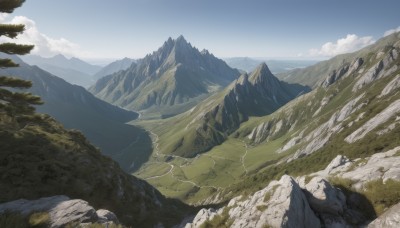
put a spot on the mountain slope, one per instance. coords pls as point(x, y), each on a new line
point(73, 70)
point(210, 122)
point(39, 158)
point(102, 123)
point(313, 75)
point(168, 81)
point(113, 67)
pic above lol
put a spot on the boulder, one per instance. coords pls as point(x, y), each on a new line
point(106, 216)
point(389, 219)
point(61, 209)
point(325, 198)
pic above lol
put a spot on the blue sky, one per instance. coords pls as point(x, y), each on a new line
point(255, 28)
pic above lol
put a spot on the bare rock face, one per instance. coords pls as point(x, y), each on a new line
point(391, 86)
point(374, 122)
point(281, 204)
point(202, 216)
point(389, 219)
point(377, 71)
point(62, 211)
point(379, 166)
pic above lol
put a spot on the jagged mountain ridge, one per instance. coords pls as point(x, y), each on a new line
point(214, 119)
point(102, 123)
point(175, 75)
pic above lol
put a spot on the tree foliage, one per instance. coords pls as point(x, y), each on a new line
point(12, 103)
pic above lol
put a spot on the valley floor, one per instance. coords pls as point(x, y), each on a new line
point(194, 179)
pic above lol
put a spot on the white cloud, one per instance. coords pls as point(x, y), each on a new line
point(391, 31)
point(3, 17)
point(44, 45)
point(348, 44)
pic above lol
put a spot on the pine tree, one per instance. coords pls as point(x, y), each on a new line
point(12, 103)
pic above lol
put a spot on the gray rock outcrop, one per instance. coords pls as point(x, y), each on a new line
point(376, 71)
point(61, 209)
point(374, 122)
point(391, 86)
point(281, 204)
point(389, 219)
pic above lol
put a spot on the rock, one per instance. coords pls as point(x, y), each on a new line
point(321, 135)
point(106, 216)
point(379, 166)
point(284, 206)
point(389, 219)
point(72, 211)
point(334, 76)
point(374, 122)
point(26, 207)
point(324, 198)
point(261, 132)
point(338, 164)
point(393, 85)
point(376, 71)
point(202, 216)
point(61, 209)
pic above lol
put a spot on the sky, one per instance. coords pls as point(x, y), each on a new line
point(275, 29)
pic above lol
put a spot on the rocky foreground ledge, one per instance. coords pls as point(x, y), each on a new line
point(60, 211)
point(313, 200)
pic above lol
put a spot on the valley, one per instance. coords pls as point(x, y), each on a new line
point(164, 134)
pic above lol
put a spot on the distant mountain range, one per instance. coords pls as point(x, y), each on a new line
point(276, 66)
point(168, 81)
point(102, 123)
point(73, 70)
point(113, 67)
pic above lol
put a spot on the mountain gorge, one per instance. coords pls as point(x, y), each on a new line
point(168, 81)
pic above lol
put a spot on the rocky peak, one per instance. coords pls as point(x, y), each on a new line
point(261, 74)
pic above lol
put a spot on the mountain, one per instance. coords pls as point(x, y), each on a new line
point(39, 158)
point(214, 119)
point(73, 70)
point(75, 108)
point(113, 67)
point(314, 75)
point(168, 81)
point(353, 112)
point(276, 66)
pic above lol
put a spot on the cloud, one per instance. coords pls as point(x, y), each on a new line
point(44, 45)
point(391, 31)
point(3, 17)
point(348, 44)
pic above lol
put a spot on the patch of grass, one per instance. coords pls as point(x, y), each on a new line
point(219, 221)
point(261, 207)
point(39, 219)
point(268, 195)
point(382, 195)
